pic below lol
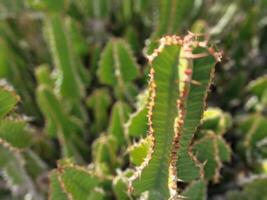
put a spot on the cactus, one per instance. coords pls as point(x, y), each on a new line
point(137, 123)
point(68, 77)
point(99, 101)
point(212, 151)
point(139, 151)
point(69, 181)
point(59, 121)
point(253, 125)
point(210, 147)
point(97, 9)
point(118, 68)
point(104, 154)
point(79, 120)
point(119, 185)
point(15, 138)
point(67, 121)
point(196, 191)
point(255, 189)
point(119, 116)
point(180, 74)
point(14, 68)
point(171, 19)
point(172, 15)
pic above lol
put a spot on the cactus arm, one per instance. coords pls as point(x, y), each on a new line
point(213, 151)
point(66, 127)
point(14, 138)
point(194, 105)
point(119, 116)
point(73, 182)
point(117, 67)
point(196, 191)
point(163, 89)
point(172, 15)
point(57, 36)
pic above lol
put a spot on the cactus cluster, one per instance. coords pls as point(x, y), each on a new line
point(119, 99)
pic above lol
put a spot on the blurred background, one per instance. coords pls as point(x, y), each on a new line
point(55, 56)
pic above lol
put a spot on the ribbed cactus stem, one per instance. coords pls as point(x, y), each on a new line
point(180, 75)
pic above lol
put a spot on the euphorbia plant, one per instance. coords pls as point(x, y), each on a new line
point(181, 70)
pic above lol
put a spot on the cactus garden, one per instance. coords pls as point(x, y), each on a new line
point(133, 100)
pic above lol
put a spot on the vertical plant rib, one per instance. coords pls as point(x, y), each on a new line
point(163, 94)
point(201, 75)
point(57, 36)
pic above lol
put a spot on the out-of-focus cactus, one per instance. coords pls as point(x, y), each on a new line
point(99, 9)
point(253, 125)
point(210, 147)
point(216, 120)
point(15, 138)
point(255, 189)
point(70, 181)
point(258, 89)
point(212, 151)
point(173, 16)
point(105, 158)
point(118, 68)
point(120, 184)
point(119, 116)
point(14, 67)
point(59, 122)
point(68, 82)
point(99, 102)
point(196, 191)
